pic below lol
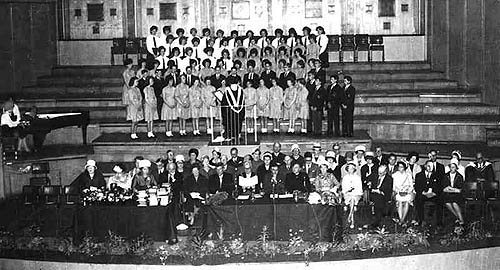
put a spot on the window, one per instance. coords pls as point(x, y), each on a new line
point(404, 7)
point(314, 8)
point(112, 12)
point(78, 12)
point(386, 8)
point(387, 26)
point(96, 30)
point(150, 11)
point(95, 12)
point(168, 11)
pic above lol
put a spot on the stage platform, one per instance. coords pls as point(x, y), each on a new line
point(119, 147)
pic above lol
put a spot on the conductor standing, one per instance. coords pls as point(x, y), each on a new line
point(348, 108)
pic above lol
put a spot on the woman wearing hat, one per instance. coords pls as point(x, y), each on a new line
point(403, 189)
point(325, 180)
point(352, 190)
point(456, 156)
point(144, 179)
point(121, 178)
point(90, 177)
point(452, 197)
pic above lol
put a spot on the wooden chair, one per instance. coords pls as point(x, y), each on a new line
point(117, 48)
point(30, 195)
point(376, 44)
point(51, 195)
point(333, 48)
point(362, 45)
point(471, 196)
point(71, 195)
point(348, 45)
point(492, 198)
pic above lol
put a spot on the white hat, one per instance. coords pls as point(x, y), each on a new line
point(454, 161)
point(360, 148)
point(295, 146)
point(216, 149)
point(322, 161)
point(458, 153)
point(90, 163)
point(179, 158)
point(330, 154)
point(117, 169)
point(144, 163)
point(369, 154)
point(316, 145)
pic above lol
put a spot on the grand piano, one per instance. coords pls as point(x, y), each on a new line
point(43, 124)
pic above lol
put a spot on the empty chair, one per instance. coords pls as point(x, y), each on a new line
point(471, 196)
point(362, 48)
point(117, 48)
point(30, 195)
point(347, 49)
point(132, 47)
point(142, 48)
point(51, 194)
point(491, 195)
point(9, 148)
point(376, 45)
point(39, 181)
point(71, 195)
point(334, 48)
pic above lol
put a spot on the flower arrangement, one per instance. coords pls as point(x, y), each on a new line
point(96, 195)
point(330, 198)
point(217, 198)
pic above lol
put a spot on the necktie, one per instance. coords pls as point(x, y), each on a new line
point(291, 45)
point(154, 41)
point(196, 52)
point(319, 40)
point(163, 62)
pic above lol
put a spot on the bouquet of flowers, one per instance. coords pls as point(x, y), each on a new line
point(96, 195)
point(217, 198)
point(92, 195)
point(330, 198)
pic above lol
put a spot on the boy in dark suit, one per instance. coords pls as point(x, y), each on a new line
point(348, 108)
point(335, 97)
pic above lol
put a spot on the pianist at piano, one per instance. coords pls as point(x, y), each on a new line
point(11, 123)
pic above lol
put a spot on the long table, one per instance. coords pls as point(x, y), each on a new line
point(249, 219)
point(128, 221)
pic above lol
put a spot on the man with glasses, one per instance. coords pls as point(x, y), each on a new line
point(480, 169)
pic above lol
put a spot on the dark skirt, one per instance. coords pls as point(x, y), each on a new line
point(453, 197)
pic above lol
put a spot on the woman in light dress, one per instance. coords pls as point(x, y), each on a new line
point(262, 102)
point(302, 104)
point(250, 95)
point(121, 178)
point(169, 112)
point(209, 102)
point(150, 106)
point(289, 105)
point(182, 98)
point(402, 188)
point(135, 112)
point(127, 74)
point(196, 101)
point(352, 190)
point(275, 103)
point(325, 181)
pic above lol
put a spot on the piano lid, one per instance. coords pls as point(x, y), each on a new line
point(55, 115)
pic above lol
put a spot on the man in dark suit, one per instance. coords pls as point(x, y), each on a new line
point(233, 77)
point(339, 158)
point(285, 76)
point(190, 78)
point(217, 78)
point(267, 75)
point(380, 158)
point(236, 162)
point(335, 97)
point(286, 167)
point(319, 71)
point(251, 75)
point(317, 101)
point(174, 76)
point(161, 172)
point(310, 86)
point(437, 168)
point(310, 168)
point(391, 163)
point(348, 108)
point(480, 169)
point(368, 171)
point(381, 193)
point(194, 183)
point(428, 188)
point(297, 180)
point(277, 155)
point(273, 182)
point(221, 181)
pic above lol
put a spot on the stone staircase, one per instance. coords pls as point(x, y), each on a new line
point(395, 101)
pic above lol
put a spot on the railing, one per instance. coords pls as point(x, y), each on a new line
point(235, 128)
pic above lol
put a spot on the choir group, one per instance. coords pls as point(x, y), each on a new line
point(189, 77)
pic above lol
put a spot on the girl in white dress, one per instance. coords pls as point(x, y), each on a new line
point(209, 102)
point(403, 190)
point(275, 103)
point(150, 106)
point(352, 189)
point(169, 111)
point(302, 105)
point(262, 102)
point(250, 96)
point(195, 99)
point(182, 98)
point(289, 107)
point(127, 74)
